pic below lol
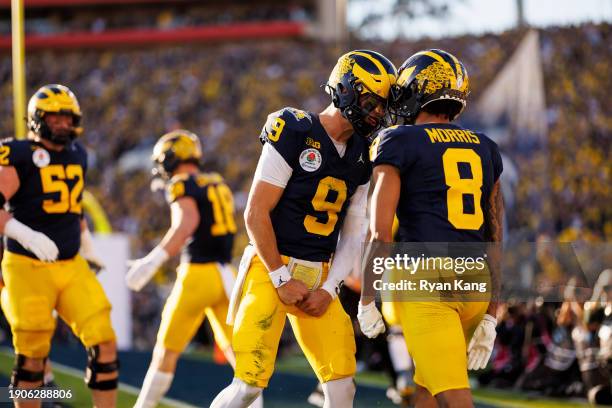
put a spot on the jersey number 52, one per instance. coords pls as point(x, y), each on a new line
point(53, 179)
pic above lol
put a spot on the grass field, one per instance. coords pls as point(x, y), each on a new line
point(291, 369)
point(68, 378)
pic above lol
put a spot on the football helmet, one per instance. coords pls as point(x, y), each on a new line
point(53, 98)
point(359, 83)
point(429, 76)
point(174, 148)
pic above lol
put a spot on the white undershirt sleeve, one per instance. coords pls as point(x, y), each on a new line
point(352, 236)
point(272, 167)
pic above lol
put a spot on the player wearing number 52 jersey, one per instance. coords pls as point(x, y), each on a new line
point(42, 179)
point(443, 182)
point(202, 225)
point(306, 203)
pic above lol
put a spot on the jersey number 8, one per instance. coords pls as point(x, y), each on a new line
point(458, 187)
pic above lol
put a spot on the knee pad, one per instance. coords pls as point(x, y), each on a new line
point(94, 367)
point(20, 374)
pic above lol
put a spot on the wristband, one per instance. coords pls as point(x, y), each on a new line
point(280, 276)
point(490, 319)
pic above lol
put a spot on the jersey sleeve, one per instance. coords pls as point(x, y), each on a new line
point(498, 166)
point(181, 187)
point(16, 154)
point(390, 147)
point(367, 173)
point(285, 130)
point(84, 157)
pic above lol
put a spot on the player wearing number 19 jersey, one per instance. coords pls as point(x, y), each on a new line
point(443, 182)
point(203, 226)
point(42, 179)
point(306, 203)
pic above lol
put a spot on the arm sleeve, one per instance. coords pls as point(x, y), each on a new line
point(352, 236)
point(391, 149)
point(272, 167)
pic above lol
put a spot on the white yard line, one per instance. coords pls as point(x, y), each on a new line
point(122, 386)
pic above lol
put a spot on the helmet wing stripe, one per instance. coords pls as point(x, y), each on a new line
point(440, 59)
point(405, 75)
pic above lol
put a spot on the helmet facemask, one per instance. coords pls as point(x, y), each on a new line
point(359, 87)
point(358, 105)
point(54, 99)
point(38, 125)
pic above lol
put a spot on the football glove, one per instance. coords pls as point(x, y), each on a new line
point(36, 242)
point(370, 320)
point(143, 269)
point(481, 345)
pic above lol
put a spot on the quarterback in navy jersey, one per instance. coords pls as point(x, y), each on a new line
point(442, 181)
point(307, 203)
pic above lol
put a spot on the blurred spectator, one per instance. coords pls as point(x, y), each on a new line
point(223, 92)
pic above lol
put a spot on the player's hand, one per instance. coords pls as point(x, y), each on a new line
point(142, 270)
point(36, 242)
point(41, 246)
point(315, 303)
point(88, 252)
point(370, 320)
point(292, 292)
point(95, 263)
point(481, 345)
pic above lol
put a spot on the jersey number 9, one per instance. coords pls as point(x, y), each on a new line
point(319, 203)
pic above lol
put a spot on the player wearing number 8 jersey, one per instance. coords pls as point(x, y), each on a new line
point(42, 179)
point(202, 225)
point(443, 182)
point(306, 203)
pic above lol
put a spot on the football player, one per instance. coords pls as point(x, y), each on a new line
point(310, 187)
point(443, 182)
point(42, 179)
point(203, 226)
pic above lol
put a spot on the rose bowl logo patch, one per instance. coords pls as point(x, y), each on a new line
point(310, 160)
point(41, 158)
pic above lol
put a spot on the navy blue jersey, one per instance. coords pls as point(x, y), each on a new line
point(447, 174)
point(50, 192)
point(309, 214)
point(213, 238)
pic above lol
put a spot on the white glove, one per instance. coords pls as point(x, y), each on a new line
point(88, 252)
point(143, 269)
point(370, 320)
point(36, 242)
point(481, 346)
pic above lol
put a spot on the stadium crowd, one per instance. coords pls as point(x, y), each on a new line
point(223, 92)
point(155, 17)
